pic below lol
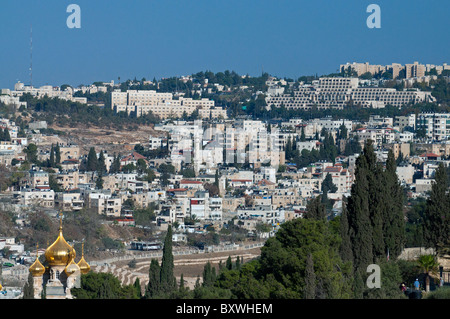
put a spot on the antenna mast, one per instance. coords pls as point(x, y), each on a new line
point(31, 56)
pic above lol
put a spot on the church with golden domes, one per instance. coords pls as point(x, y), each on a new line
point(59, 272)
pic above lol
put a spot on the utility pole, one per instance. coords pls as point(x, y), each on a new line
point(31, 56)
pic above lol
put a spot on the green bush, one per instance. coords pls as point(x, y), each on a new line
point(440, 293)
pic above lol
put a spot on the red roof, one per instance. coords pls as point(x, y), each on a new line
point(134, 155)
point(429, 155)
point(265, 182)
point(184, 181)
point(42, 187)
point(335, 169)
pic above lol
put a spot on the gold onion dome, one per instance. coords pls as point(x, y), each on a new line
point(71, 268)
point(60, 253)
point(37, 269)
point(84, 266)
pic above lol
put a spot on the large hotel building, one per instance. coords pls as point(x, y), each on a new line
point(336, 92)
point(413, 70)
point(163, 105)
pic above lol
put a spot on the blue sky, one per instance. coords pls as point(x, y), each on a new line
point(161, 38)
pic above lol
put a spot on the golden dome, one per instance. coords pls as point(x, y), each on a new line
point(37, 269)
point(84, 266)
point(60, 253)
point(71, 268)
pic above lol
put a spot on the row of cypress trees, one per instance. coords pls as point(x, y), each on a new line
point(373, 220)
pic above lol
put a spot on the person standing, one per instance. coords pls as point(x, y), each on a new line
point(417, 284)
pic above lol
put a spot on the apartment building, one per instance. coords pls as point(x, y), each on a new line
point(415, 70)
point(337, 92)
point(104, 203)
point(163, 105)
point(67, 180)
point(411, 70)
point(377, 135)
point(405, 121)
point(69, 201)
point(436, 125)
point(40, 196)
point(362, 68)
point(69, 151)
point(38, 178)
point(260, 214)
point(205, 207)
point(46, 90)
point(341, 177)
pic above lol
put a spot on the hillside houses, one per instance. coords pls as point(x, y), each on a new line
point(181, 187)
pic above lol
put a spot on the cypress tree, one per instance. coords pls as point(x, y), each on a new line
point(181, 283)
point(394, 221)
point(328, 184)
point(168, 282)
point(101, 166)
point(57, 154)
point(92, 160)
point(359, 217)
point(310, 279)
point(238, 263)
point(137, 287)
point(437, 213)
point(154, 274)
point(115, 166)
point(289, 149)
point(377, 200)
point(6, 135)
point(229, 263)
point(209, 275)
point(315, 209)
point(28, 289)
point(52, 156)
point(345, 250)
point(302, 135)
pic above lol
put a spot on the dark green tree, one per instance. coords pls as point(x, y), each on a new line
point(28, 290)
point(92, 161)
point(209, 275)
point(345, 249)
point(103, 286)
point(302, 135)
point(315, 209)
point(153, 288)
point(101, 165)
point(52, 156)
point(394, 226)
point(310, 279)
point(57, 154)
point(115, 165)
point(437, 213)
point(31, 152)
point(167, 278)
point(137, 286)
point(328, 185)
point(99, 182)
point(360, 225)
point(229, 263)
